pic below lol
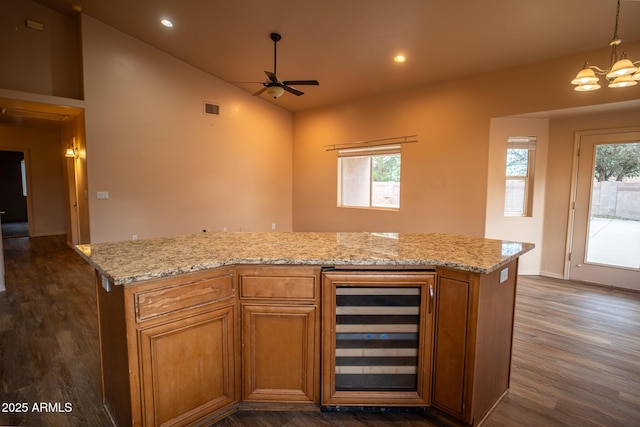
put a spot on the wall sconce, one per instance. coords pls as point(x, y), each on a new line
point(72, 151)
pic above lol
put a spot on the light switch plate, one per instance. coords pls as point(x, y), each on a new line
point(103, 195)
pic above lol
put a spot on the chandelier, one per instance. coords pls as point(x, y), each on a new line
point(622, 72)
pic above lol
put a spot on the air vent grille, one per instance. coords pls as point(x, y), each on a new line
point(211, 109)
point(42, 115)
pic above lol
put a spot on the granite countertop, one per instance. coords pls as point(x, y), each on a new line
point(137, 260)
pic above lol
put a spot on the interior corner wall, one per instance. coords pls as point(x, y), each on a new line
point(45, 183)
point(168, 168)
point(45, 62)
point(515, 228)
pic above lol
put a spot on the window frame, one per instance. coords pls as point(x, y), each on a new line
point(368, 152)
point(521, 143)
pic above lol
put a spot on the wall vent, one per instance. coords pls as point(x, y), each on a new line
point(31, 114)
point(211, 109)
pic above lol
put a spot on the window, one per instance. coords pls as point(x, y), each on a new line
point(23, 171)
point(518, 197)
point(369, 177)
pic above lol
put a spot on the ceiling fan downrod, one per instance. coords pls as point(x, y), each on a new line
point(276, 38)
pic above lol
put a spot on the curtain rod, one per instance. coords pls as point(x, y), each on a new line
point(373, 142)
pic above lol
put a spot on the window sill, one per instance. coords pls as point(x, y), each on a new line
point(370, 208)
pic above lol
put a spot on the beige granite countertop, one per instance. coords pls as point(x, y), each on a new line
point(133, 261)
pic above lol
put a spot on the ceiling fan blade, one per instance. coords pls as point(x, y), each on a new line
point(271, 76)
point(260, 91)
point(301, 82)
point(292, 90)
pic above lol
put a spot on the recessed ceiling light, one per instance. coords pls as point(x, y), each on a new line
point(167, 23)
point(399, 58)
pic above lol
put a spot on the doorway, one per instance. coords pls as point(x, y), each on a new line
point(605, 241)
point(13, 194)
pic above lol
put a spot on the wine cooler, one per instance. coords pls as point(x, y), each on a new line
point(377, 334)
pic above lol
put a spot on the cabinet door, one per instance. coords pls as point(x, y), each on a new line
point(279, 353)
point(187, 368)
point(451, 350)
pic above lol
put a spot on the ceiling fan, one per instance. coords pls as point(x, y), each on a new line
point(275, 87)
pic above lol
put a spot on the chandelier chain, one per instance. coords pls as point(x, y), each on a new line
point(615, 30)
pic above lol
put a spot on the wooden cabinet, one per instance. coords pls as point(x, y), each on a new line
point(473, 339)
point(377, 338)
point(280, 335)
point(178, 346)
point(193, 348)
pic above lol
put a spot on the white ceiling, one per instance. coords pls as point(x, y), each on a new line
point(348, 45)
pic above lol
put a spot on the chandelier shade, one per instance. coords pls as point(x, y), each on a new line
point(587, 87)
point(623, 67)
point(585, 76)
point(623, 81)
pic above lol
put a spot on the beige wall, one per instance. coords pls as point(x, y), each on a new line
point(168, 168)
point(45, 183)
point(435, 194)
point(45, 62)
point(522, 229)
point(445, 177)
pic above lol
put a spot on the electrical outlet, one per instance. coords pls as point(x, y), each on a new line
point(504, 275)
point(134, 237)
point(224, 229)
point(273, 226)
point(106, 283)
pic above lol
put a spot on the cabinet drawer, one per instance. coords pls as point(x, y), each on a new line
point(182, 296)
point(278, 283)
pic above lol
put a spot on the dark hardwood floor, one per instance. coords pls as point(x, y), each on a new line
point(48, 337)
point(576, 355)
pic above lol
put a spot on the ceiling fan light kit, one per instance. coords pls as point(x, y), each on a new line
point(622, 71)
point(276, 87)
point(275, 91)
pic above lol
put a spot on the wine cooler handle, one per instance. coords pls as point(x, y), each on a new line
point(430, 297)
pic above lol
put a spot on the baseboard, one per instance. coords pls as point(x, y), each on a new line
point(56, 233)
point(552, 275)
point(528, 273)
point(541, 273)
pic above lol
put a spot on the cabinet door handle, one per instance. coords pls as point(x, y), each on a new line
point(430, 297)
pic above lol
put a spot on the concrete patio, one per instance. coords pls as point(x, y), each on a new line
point(614, 242)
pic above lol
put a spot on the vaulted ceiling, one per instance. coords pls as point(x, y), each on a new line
point(349, 45)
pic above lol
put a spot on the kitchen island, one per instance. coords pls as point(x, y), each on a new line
point(193, 328)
